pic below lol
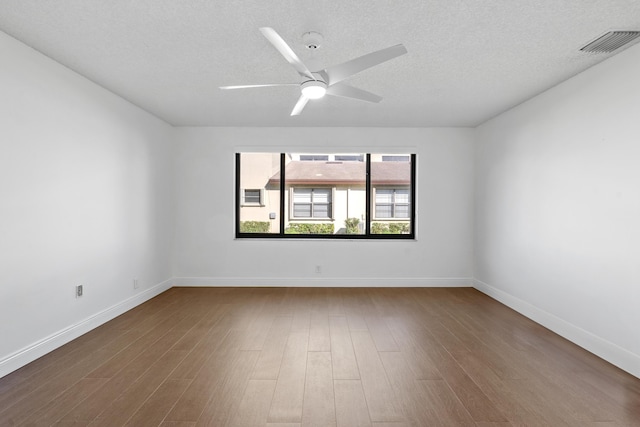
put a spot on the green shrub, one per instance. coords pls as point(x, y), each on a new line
point(304, 228)
point(379, 228)
point(390, 228)
point(399, 228)
point(254, 226)
point(352, 225)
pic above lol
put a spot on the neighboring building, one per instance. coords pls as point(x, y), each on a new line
point(325, 189)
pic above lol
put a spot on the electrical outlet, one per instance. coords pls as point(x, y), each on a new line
point(318, 269)
point(135, 284)
point(79, 291)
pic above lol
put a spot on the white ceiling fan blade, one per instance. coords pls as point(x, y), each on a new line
point(264, 85)
point(347, 69)
point(297, 109)
point(286, 51)
point(346, 91)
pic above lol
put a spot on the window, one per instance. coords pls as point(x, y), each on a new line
point(314, 158)
point(349, 158)
point(395, 158)
point(252, 197)
point(392, 203)
point(325, 195)
point(312, 202)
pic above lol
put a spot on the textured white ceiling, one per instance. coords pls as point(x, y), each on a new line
point(468, 60)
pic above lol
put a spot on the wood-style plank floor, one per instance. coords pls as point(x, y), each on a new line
point(320, 357)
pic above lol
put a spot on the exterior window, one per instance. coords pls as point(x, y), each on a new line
point(343, 195)
point(395, 158)
point(312, 203)
point(314, 158)
point(252, 197)
point(392, 203)
point(349, 158)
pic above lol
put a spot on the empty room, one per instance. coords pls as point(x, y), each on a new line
point(319, 213)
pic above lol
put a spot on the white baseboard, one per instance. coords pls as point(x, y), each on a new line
point(38, 349)
point(608, 351)
point(326, 282)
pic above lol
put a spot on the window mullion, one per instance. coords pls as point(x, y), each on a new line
point(282, 195)
point(238, 195)
point(367, 190)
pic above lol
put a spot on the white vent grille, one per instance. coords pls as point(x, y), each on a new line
point(610, 41)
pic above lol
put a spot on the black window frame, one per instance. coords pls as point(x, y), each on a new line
point(369, 216)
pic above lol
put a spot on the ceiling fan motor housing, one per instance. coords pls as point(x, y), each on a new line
point(312, 40)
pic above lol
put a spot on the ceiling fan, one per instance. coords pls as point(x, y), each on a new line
point(315, 84)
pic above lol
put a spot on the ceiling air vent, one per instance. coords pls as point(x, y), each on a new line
point(610, 41)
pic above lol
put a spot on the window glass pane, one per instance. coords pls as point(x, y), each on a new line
point(259, 176)
point(391, 179)
point(302, 195)
point(321, 211)
point(383, 211)
point(384, 196)
point(313, 157)
point(402, 211)
point(252, 196)
point(326, 193)
point(350, 157)
point(334, 184)
point(402, 196)
point(392, 158)
point(321, 195)
point(302, 210)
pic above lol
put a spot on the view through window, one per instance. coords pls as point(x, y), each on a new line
point(328, 195)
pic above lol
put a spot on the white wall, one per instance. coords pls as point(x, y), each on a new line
point(206, 252)
point(85, 198)
point(558, 209)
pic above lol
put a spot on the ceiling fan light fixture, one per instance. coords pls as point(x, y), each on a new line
point(315, 85)
point(314, 89)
